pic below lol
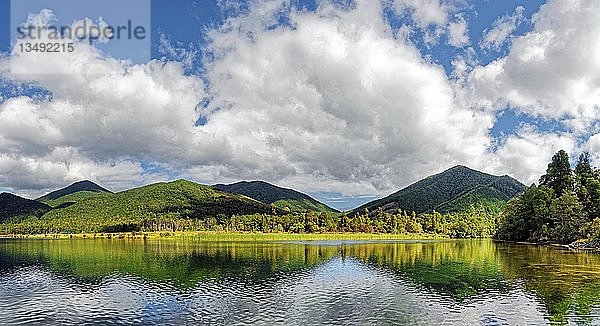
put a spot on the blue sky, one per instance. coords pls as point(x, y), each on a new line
point(504, 122)
point(118, 13)
point(4, 26)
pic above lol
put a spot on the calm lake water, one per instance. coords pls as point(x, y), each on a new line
point(469, 282)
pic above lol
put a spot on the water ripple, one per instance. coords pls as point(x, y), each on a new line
point(300, 285)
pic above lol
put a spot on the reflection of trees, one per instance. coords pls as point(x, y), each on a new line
point(566, 282)
point(461, 269)
point(182, 263)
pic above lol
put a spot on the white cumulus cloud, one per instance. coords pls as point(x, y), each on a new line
point(424, 12)
point(553, 71)
point(337, 99)
point(336, 102)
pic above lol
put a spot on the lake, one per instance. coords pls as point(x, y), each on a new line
point(462, 282)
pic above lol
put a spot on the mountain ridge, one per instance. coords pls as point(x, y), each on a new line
point(272, 194)
point(449, 191)
point(13, 206)
point(176, 199)
point(454, 189)
point(79, 186)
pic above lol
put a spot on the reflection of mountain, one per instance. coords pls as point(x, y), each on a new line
point(565, 282)
point(362, 282)
point(181, 263)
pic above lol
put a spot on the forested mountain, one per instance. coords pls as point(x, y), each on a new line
point(453, 190)
point(12, 206)
point(84, 188)
point(280, 197)
point(154, 204)
point(188, 206)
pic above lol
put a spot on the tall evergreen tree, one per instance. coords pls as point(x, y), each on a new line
point(588, 186)
point(584, 168)
point(559, 176)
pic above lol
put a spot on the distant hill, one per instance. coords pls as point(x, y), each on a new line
point(83, 189)
point(452, 190)
point(271, 194)
point(12, 206)
point(179, 199)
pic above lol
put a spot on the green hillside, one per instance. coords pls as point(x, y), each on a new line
point(261, 207)
point(13, 207)
point(450, 191)
point(70, 199)
point(55, 198)
point(128, 210)
point(280, 197)
point(488, 196)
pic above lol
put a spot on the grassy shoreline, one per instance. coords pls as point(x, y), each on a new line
point(230, 236)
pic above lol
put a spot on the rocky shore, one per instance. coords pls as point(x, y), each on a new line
point(586, 244)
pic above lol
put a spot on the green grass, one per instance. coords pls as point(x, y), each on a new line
point(215, 236)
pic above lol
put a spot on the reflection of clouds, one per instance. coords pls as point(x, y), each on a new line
point(343, 291)
point(40, 297)
point(347, 290)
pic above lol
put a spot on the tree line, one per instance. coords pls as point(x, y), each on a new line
point(478, 221)
point(563, 208)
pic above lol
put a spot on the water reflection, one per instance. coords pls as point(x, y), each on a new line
point(182, 264)
point(461, 269)
point(175, 282)
point(567, 283)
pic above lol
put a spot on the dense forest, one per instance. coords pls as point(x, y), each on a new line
point(563, 208)
point(14, 207)
point(478, 221)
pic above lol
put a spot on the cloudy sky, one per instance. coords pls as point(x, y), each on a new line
point(345, 100)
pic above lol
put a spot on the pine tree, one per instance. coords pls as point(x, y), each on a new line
point(559, 176)
point(587, 187)
point(584, 168)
